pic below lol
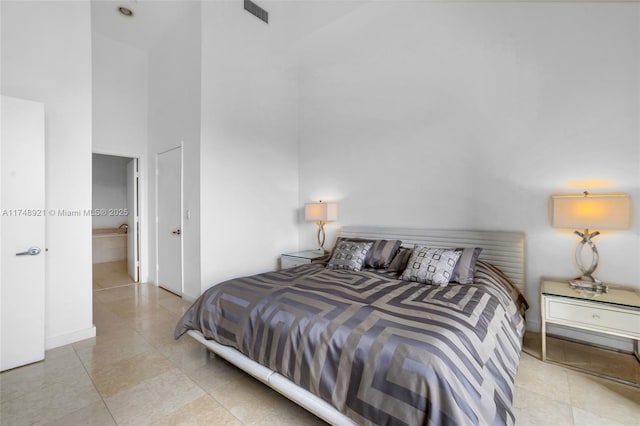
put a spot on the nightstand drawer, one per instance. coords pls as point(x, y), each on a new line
point(585, 315)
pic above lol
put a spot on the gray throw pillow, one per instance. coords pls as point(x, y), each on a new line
point(349, 255)
point(431, 265)
point(381, 253)
point(465, 269)
point(400, 260)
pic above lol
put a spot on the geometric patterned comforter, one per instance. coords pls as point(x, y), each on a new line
point(380, 350)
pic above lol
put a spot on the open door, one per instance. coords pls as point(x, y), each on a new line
point(133, 221)
point(22, 224)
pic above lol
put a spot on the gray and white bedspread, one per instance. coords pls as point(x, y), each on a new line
point(380, 350)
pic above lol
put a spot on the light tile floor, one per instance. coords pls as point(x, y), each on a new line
point(607, 362)
point(135, 373)
point(110, 274)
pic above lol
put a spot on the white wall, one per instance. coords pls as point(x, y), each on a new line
point(109, 189)
point(469, 115)
point(120, 97)
point(174, 119)
point(46, 57)
point(463, 115)
point(120, 109)
point(249, 152)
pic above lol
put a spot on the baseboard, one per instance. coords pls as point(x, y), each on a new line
point(588, 337)
point(533, 324)
point(592, 338)
point(68, 338)
point(188, 298)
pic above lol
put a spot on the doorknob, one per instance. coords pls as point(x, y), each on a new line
point(176, 232)
point(33, 251)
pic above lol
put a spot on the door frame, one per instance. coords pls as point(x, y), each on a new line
point(143, 248)
point(157, 266)
point(133, 231)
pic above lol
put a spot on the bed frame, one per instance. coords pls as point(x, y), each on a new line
point(506, 250)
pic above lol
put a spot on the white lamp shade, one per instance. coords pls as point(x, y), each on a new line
point(320, 212)
point(592, 211)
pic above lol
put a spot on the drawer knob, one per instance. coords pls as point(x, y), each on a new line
point(595, 316)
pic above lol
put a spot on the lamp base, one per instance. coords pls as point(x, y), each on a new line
point(587, 285)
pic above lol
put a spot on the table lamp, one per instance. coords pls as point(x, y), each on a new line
point(321, 213)
point(590, 211)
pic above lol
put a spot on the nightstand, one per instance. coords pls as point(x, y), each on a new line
point(289, 260)
point(614, 313)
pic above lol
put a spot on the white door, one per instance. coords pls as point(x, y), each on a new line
point(22, 224)
point(133, 254)
point(169, 217)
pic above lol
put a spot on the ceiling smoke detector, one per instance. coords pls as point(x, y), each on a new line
point(125, 11)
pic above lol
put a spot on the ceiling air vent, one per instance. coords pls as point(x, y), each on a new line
point(256, 10)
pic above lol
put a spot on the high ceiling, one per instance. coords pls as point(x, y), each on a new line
point(152, 19)
point(295, 18)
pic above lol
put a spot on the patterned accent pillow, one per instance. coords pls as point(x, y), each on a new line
point(431, 265)
point(349, 255)
point(400, 260)
point(381, 253)
point(466, 267)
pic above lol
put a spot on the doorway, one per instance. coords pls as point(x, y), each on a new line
point(115, 221)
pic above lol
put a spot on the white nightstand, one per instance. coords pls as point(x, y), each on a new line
point(615, 313)
point(289, 260)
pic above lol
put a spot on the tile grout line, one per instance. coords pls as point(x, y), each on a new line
point(115, 286)
point(92, 381)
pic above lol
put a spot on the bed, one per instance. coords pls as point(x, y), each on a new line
point(368, 346)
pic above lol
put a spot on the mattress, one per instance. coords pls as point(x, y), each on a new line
point(379, 350)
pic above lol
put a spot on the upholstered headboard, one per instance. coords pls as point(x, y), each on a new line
point(506, 250)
